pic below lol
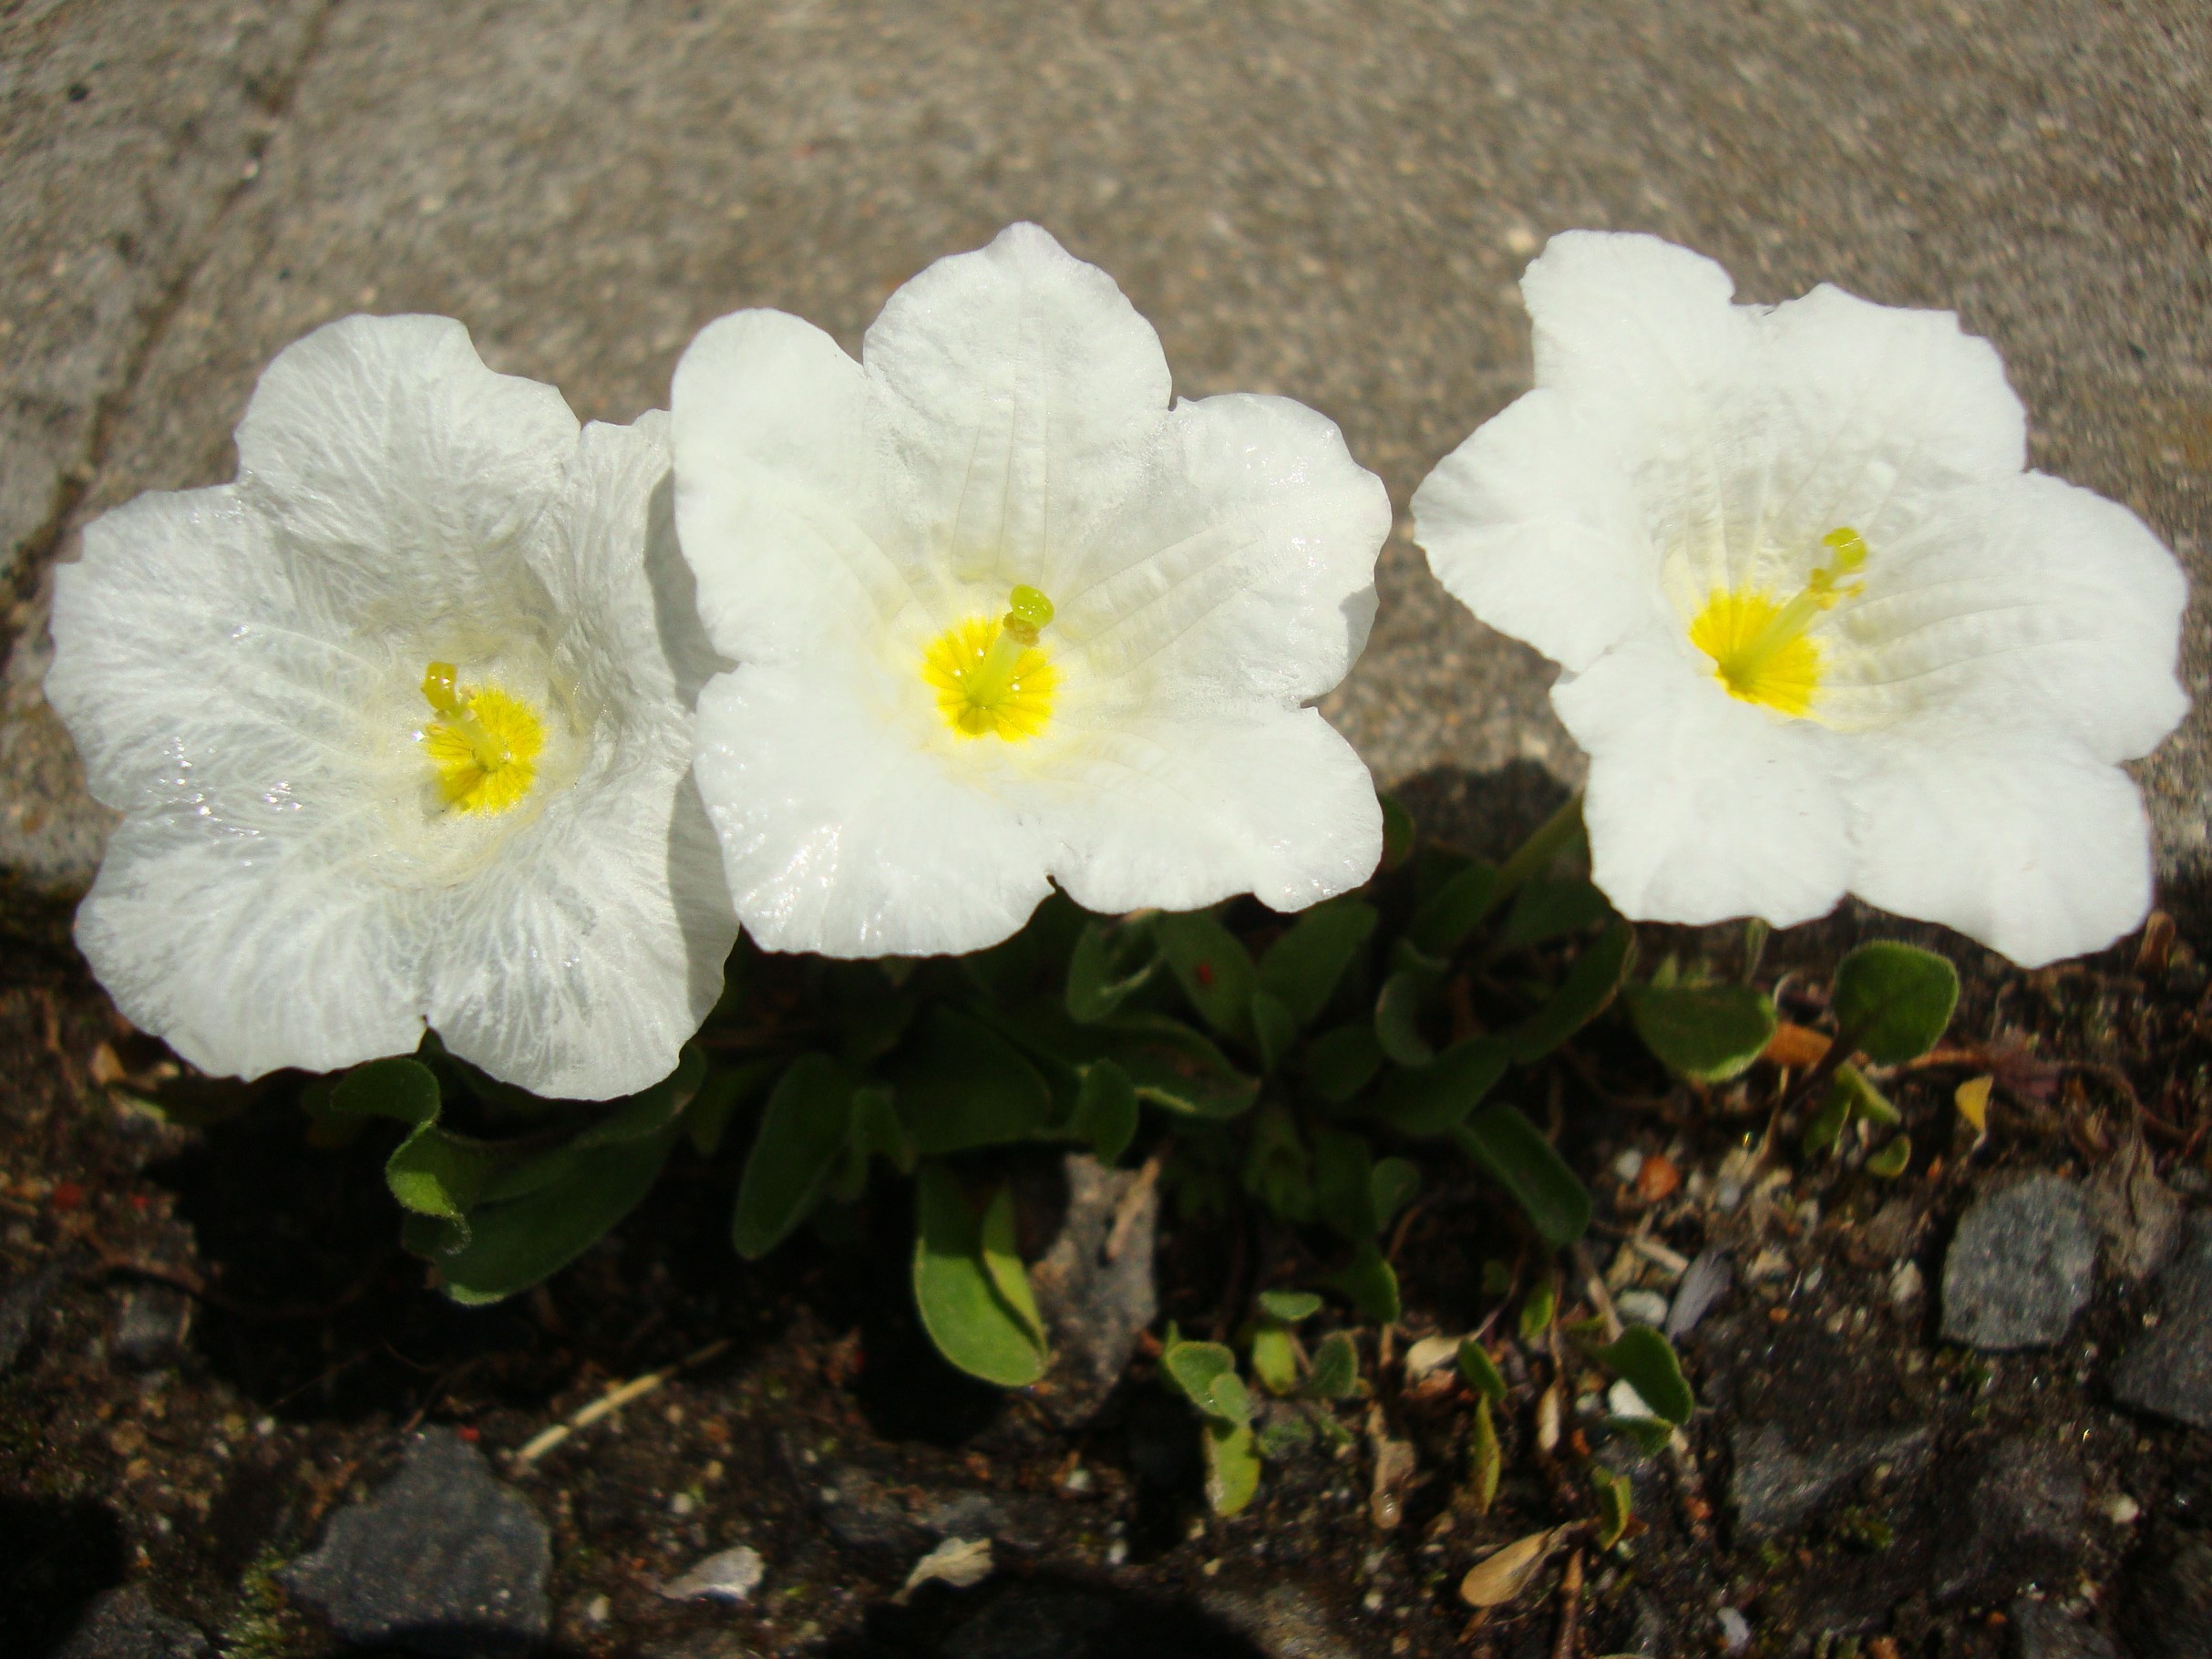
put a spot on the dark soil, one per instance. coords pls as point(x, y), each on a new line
point(209, 1340)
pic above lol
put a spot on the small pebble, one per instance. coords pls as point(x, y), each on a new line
point(681, 1504)
point(730, 1576)
point(1629, 1165)
point(1906, 1283)
point(1624, 1401)
point(1641, 1307)
point(2122, 1510)
point(599, 1610)
point(1735, 1630)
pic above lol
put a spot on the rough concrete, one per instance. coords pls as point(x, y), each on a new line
point(1307, 196)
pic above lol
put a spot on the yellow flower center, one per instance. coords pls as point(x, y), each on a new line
point(484, 743)
point(990, 677)
point(1761, 647)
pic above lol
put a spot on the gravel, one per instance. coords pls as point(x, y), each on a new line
point(2020, 1266)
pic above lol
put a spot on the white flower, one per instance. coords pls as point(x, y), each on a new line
point(1822, 631)
point(891, 768)
point(396, 732)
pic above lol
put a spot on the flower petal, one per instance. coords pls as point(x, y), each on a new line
point(1533, 525)
point(1180, 813)
point(2037, 849)
point(1702, 807)
point(1022, 391)
point(839, 837)
point(385, 447)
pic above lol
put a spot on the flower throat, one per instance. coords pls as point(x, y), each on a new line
point(991, 678)
point(1762, 648)
point(484, 745)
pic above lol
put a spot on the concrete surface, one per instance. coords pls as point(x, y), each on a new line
point(1321, 198)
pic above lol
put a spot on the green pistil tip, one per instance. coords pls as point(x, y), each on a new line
point(1031, 606)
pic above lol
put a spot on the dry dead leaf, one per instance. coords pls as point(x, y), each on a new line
point(961, 1562)
point(1504, 1574)
point(1795, 1045)
point(1973, 1098)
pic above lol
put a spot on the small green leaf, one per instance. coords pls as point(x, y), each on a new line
point(1480, 1371)
point(1111, 962)
point(1392, 1185)
point(802, 1133)
point(1304, 966)
point(1407, 998)
point(1275, 1359)
point(1893, 1001)
point(1343, 1184)
point(1549, 910)
point(1289, 1306)
point(1232, 1465)
point(1513, 1154)
point(1003, 1261)
point(399, 1089)
point(1398, 833)
point(1648, 1435)
point(1176, 1068)
point(650, 1110)
point(1581, 997)
point(1213, 967)
point(1274, 1029)
point(432, 1173)
point(1340, 1063)
point(960, 1294)
point(1828, 1123)
point(1538, 1308)
point(1284, 1433)
point(1335, 1372)
point(1485, 1458)
point(1106, 1111)
point(726, 1088)
point(1616, 1504)
point(1277, 1170)
point(1369, 1285)
point(512, 1246)
point(1892, 1160)
point(1645, 1360)
point(1706, 1033)
point(1205, 1372)
point(1458, 907)
point(1865, 1102)
point(1435, 1099)
point(961, 1084)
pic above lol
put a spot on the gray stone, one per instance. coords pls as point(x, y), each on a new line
point(1709, 1278)
point(20, 1308)
point(2022, 1265)
point(2135, 1213)
point(2168, 1368)
point(1095, 1308)
point(728, 1575)
point(150, 1331)
point(444, 1558)
point(1035, 1621)
point(123, 1624)
point(1282, 1621)
point(2018, 1521)
point(2165, 1605)
point(2041, 1631)
point(1780, 1480)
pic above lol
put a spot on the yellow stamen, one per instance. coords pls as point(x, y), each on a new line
point(1760, 648)
point(484, 745)
point(990, 677)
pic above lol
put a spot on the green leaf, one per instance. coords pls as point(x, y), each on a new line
point(802, 1133)
point(1335, 1372)
point(1174, 1067)
point(1435, 1099)
point(1284, 1433)
point(1648, 1435)
point(512, 1246)
point(398, 1089)
point(1343, 1184)
point(1369, 1285)
point(961, 1084)
point(1340, 1063)
point(1706, 1033)
point(1398, 833)
point(1892, 1002)
point(1828, 1123)
point(1616, 1504)
point(432, 1173)
point(1865, 1102)
point(1892, 1160)
point(1645, 1360)
point(1480, 1371)
point(1275, 1359)
point(1212, 966)
point(652, 1110)
point(1582, 995)
point(1106, 1111)
point(1407, 998)
point(726, 1088)
point(1485, 1458)
point(1205, 1374)
point(1514, 1155)
point(1111, 962)
point(960, 1294)
point(1304, 967)
point(1549, 910)
point(1458, 907)
point(1274, 1029)
point(1289, 1306)
point(1232, 1466)
point(1538, 1308)
point(1277, 1170)
point(1003, 1261)
point(878, 1131)
point(1392, 1184)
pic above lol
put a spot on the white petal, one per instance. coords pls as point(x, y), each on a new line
point(2024, 601)
point(249, 951)
point(581, 961)
point(2036, 848)
point(782, 504)
point(1242, 568)
point(1023, 393)
point(385, 447)
point(1178, 814)
point(1702, 807)
point(1533, 524)
point(839, 837)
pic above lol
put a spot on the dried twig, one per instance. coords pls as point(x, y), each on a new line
point(613, 1401)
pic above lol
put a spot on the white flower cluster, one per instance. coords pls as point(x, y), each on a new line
point(450, 713)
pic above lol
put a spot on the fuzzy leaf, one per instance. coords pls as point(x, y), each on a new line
point(1274, 1354)
point(1274, 1029)
point(1706, 1033)
point(1645, 1360)
point(1443, 921)
point(1405, 1003)
point(802, 1133)
point(960, 1294)
point(1435, 1099)
point(1106, 1110)
point(1303, 968)
point(1111, 962)
point(1232, 1465)
point(1369, 1285)
point(1205, 1372)
point(1590, 984)
point(1549, 910)
point(1289, 1306)
point(512, 1246)
point(1485, 1458)
point(1893, 1000)
point(1519, 1160)
point(961, 1084)
point(398, 1089)
point(1335, 1372)
point(1340, 1063)
point(1480, 1372)
point(1213, 967)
